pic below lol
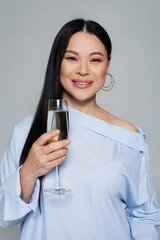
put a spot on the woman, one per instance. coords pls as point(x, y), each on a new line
point(107, 165)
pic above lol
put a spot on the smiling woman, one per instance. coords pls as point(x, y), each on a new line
point(106, 167)
point(84, 68)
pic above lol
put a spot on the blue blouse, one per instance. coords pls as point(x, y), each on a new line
point(107, 169)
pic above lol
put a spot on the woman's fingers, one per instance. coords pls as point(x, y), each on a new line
point(43, 157)
point(54, 163)
point(44, 138)
point(57, 154)
point(55, 146)
point(47, 162)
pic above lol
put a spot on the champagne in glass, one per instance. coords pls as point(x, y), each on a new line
point(58, 118)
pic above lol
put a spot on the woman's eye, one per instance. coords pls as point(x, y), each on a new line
point(71, 58)
point(95, 60)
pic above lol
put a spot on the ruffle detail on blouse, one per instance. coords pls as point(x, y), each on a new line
point(126, 137)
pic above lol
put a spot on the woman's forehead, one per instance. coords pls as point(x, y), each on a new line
point(81, 41)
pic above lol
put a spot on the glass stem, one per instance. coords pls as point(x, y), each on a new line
point(58, 184)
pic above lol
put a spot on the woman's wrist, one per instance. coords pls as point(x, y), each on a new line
point(26, 174)
point(27, 182)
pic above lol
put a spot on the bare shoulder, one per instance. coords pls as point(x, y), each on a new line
point(110, 118)
point(124, 124)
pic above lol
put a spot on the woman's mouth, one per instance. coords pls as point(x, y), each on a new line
point(82, 84)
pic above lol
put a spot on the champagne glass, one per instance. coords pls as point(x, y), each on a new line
point(58, 118)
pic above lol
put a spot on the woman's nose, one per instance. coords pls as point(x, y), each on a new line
point(82, 68)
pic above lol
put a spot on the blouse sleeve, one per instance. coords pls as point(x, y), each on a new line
point(143, 209)
point(12, 208)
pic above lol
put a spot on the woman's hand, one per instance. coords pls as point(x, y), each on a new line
point(41, 159)
point(43, 156)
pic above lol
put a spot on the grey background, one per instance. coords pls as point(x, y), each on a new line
point(27, 30)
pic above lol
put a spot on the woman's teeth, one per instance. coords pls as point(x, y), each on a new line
point(82, 83)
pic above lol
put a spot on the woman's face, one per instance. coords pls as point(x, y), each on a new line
point(84, 67)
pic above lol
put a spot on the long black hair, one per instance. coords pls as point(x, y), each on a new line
point(52, 88)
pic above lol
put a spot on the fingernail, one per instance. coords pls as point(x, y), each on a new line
point(57, 131)
point(68, 141)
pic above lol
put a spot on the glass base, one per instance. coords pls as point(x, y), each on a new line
point(57, 191)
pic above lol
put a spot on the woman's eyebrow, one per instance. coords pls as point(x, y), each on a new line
point(92, 53)
point(96, 53)
point(71, 51)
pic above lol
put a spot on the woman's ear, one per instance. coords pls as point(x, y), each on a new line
point(108, 65)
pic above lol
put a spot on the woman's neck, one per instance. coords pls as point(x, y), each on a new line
point(88, 106)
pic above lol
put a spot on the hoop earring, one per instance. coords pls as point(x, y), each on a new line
point(110, 86)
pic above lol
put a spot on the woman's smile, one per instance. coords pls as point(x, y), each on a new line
point(82, 83)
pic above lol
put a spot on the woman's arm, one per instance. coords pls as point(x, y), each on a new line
point(19, 186)
point(41, 159)
point(12, 208)
point(143, 209)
